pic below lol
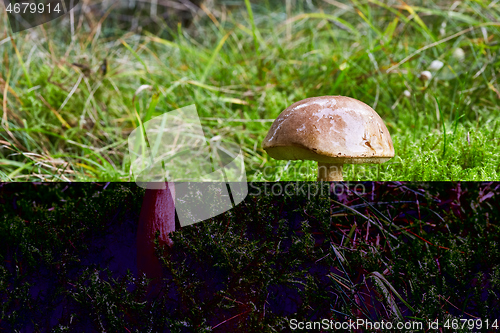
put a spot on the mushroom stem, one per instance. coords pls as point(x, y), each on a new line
point(157, 214)
point(330, 172)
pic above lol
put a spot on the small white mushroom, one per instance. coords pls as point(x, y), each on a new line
point(459, 54)
point(407, 93)
point(442, 30)
point(436, 65)
point(425, 76)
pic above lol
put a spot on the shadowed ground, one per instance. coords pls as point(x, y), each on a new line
point(378, 251)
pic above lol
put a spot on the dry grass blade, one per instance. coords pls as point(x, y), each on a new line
point(383, 280)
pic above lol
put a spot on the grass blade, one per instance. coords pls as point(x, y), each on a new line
point(254, 28)
point(23, 66)
point(442, 124)
point(214, 55)
point(381, 278)
point(135, 54)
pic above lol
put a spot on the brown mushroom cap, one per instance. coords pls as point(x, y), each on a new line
point(329, 129)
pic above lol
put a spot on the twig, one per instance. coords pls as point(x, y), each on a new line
point(233, 300)
point(338, 4)
point(425, 240)
point(458, 308)
point(240, 120)
point(55, 112)
point(343, 285)
point(4, 120)
point(225, 321)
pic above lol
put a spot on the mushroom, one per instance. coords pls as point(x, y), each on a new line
point(425, 76)
point(459, 54)
point(332, 130)
point(157, 215)
point(436, 65)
